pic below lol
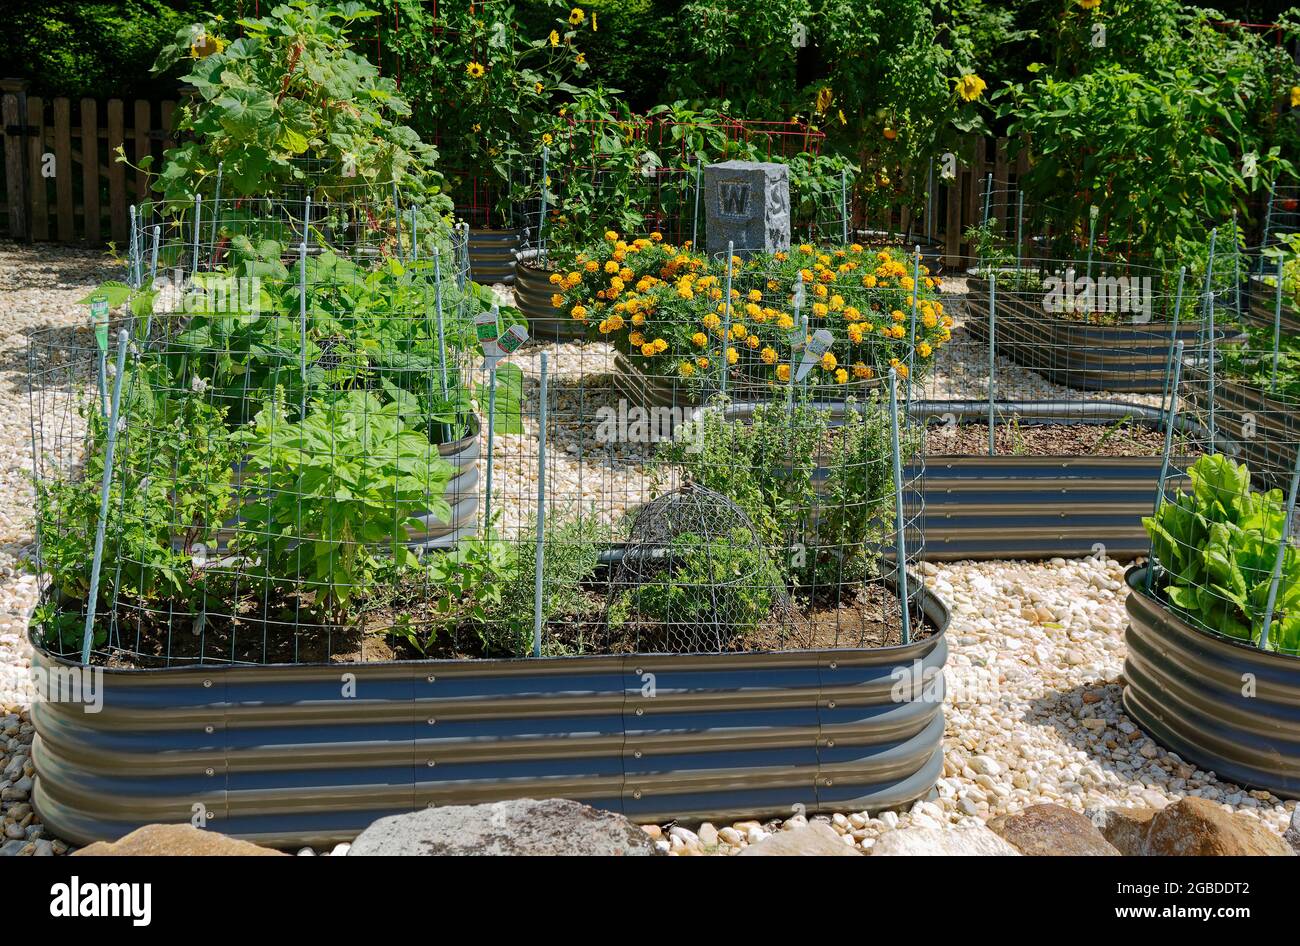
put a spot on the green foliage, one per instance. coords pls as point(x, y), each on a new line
point(1216, 548)
point(170, 493)
point(722, 580)
point(334, 489)
point(770, 466)
point(289, 101)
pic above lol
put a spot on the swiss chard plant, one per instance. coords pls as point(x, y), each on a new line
point(1216, 548)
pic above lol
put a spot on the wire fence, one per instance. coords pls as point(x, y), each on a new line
point(299, 433)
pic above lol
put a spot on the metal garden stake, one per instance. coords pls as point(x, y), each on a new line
point(993, 356)
point(541, 512)
point(1164, 455)
point(106, 482)
point(1282, 541)
point(726, 318)
point(900, 526)
point(1277, 326)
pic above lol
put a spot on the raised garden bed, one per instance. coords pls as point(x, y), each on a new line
point(533, 292)
point(311, 754)
point(1075, 480)
point(492, 255)
point(1069, 351)
point(1262, 308)
point(1268, 428)
point(1224, 705)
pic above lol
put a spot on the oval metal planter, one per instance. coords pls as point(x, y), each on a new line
point(1125, 358)
point(492, 255)
point(533, 292)
point(1263, 307)
point(1270, 449)
point(280, 755)
point(1185, 687)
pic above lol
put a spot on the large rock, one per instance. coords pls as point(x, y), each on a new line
point(1292, 834)
point(161, 840)
point(1125, 828)
point(1052, 830)
point(815, 840)
point(522, 827)
point(1198, 827)
point(974, 841)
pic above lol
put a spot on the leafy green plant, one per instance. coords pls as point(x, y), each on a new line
point(333, 490)
point(288, 101)
point(1216, 548)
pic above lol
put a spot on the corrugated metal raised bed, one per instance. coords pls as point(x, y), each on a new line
point(1010, 507)
point(283, 755)
point(492, 255)
point(1225, 705)
point(1269, 429)
point(1127, 357)
point(533, 292)
point(1263, 308)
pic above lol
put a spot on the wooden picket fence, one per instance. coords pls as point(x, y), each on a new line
point(63, 182)
point(62, 179)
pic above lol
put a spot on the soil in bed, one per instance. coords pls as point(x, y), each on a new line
point(860, 616)
point(1021, 439)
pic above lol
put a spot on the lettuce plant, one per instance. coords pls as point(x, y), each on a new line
point(1216, 547)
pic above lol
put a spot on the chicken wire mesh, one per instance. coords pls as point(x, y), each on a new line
point(282, 443)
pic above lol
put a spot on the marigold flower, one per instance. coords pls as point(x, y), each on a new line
point(686, 369)
point(578, 311)
point(557, 300)
point(841, 376)
point(828, 361)
point(783, 372)
point(862, 371)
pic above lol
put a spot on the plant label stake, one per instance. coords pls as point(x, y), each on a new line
point(819, 345)
point(899, 524)
point(106, 482)
point(541, 512)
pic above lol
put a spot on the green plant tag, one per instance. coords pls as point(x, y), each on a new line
point(99, 319)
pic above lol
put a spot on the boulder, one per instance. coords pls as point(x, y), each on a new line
point(1292, 834)
point(524, 826)
point(1196, 826)
point(973, 841)
point(178, 840)
point(814, 840)
point(1052, 830)
point(1124, 828)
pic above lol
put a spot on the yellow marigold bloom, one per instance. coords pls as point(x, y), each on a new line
point(898, 331)
point(970, 86)
point(699, 339)
point(660, 345)
point(611, 267)
point(555, 279)
point(923, 349)
point(616, 284)
point(807, 275)
point(784, 322)
point(862, 371)
point(768, 355)
point(711, 320)
point(754, 295)
point(929, 320)
point(578, 311)
point(685, 292)
point(738, 331)
point(616, 322)
point(856, 247)
point(611, 236)
point(732, 356)
point(557, 300)
point(754, 311)
point(828, 361)
point(656, 236)
point(855, 333)
point(906, 283)
point(637, 339)
point(702, 362)
point(851, 313)
point(591, 266)
point(841, 376)
point(649, 350)
point(819, 310)
point(820, 291)
point(783, 372)
point(475, 70)
point(753, 341)
point(869, 281)
point(686, 369)
point(897, 315)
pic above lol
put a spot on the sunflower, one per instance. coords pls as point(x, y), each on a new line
point(970, 86)
point(576, 16)
point(554, 38)
point(475, 70)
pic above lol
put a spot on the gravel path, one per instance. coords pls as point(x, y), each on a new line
point(1037, 650)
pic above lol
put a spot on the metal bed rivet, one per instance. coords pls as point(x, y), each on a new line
point(208, 729)
point(636, 753)
point(432, 722)
point(432, 763)
point(636, 794)
point(830, 743)
point(207, 683)
point(829, 783)
point(209, 772)
point(833, 665)
point(639, 711)
point(830, 705)
point(638, 671)
point(431, 678)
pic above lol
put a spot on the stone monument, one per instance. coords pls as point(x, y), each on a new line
point(748, 204)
